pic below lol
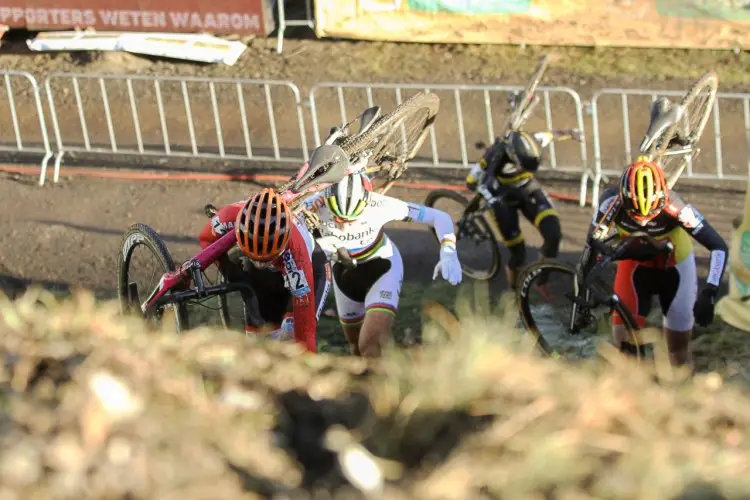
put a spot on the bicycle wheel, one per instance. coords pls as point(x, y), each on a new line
point(516, 116)
point(396, 137)
point(475, 241)
point(697, 104)
point(141, 237)
point(393, 138)
point(547, 317)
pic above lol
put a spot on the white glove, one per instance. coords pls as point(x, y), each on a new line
point(329, 245)
point(484, 191)
point(449, 266)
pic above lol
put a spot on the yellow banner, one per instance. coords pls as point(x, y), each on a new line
point(723, 24)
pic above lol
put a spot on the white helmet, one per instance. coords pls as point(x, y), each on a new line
point(348, 198)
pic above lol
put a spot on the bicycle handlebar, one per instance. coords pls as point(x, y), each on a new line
point(661, 246)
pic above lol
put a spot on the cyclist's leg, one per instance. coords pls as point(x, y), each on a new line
point(510, 229)
point(540, 211)
point(677, 296)
point(633, 287)
point(274, 300)
point(381, 304)
point(234, 273)
point(351, 312)
point(350, 288)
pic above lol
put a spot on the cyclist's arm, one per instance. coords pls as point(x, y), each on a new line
point(296, 268)
point(598, 229)
point(219, 224)
point(546, 137)
point(478, 171)
point(412, 212)
point(312, 202)
point(704, 233)
point(329, 245)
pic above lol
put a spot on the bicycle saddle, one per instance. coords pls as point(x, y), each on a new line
point(328, 165)
point(663, 115)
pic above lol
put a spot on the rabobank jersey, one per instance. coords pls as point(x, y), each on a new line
point(364, 237)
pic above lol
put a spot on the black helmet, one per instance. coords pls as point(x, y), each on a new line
point(524, 150)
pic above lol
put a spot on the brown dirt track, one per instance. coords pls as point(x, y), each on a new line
point(68, 234)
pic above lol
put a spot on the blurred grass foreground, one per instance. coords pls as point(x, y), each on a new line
point(93, 406)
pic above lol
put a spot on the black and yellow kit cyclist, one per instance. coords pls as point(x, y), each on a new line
point(505, 177)
point(644, 203)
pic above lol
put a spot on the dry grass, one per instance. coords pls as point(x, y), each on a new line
point(96, 407)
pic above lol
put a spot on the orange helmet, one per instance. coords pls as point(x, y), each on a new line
point(644, 190)
point(263, 226)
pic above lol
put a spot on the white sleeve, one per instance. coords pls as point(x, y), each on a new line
point(413, 212)
point(329, 245)
point(476, 174)
point(544, 138)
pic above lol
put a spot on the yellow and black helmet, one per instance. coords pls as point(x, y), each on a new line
point(348, 198)
point(524, 150)
point(644, 189)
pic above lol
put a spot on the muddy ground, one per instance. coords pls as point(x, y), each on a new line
point(67, 235)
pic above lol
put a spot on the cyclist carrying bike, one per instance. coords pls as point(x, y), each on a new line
point(288, 272)
point(351, 216)
point(643, 203)
point(505, 177)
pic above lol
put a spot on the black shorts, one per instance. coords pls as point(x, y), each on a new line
point(531, 201)
point(356, 283)
point(271, 296)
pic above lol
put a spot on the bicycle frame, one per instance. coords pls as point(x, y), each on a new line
point(192, 269)
point(608, 256)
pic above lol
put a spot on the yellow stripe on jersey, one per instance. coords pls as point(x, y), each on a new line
point(683, 244)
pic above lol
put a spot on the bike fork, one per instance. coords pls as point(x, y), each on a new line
point(574, 312)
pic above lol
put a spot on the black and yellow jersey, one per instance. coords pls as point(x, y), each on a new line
point(498, 162)
point(679, 222)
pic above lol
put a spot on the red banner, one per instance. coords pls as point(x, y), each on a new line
point(169, 16)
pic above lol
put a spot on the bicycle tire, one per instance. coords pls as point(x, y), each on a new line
point(433, 197)
point(525, 280)
point(528, 94)
point(708, 82)
point(421, 109)
point(135, 235)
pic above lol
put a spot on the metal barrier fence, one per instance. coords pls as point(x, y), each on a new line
point(188, 126)
point(458, 101)
point(24, 131)
point(729, 124)
point(218, 119)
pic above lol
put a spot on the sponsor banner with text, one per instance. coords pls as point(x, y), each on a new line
point(170, 16)
point(637, 23)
